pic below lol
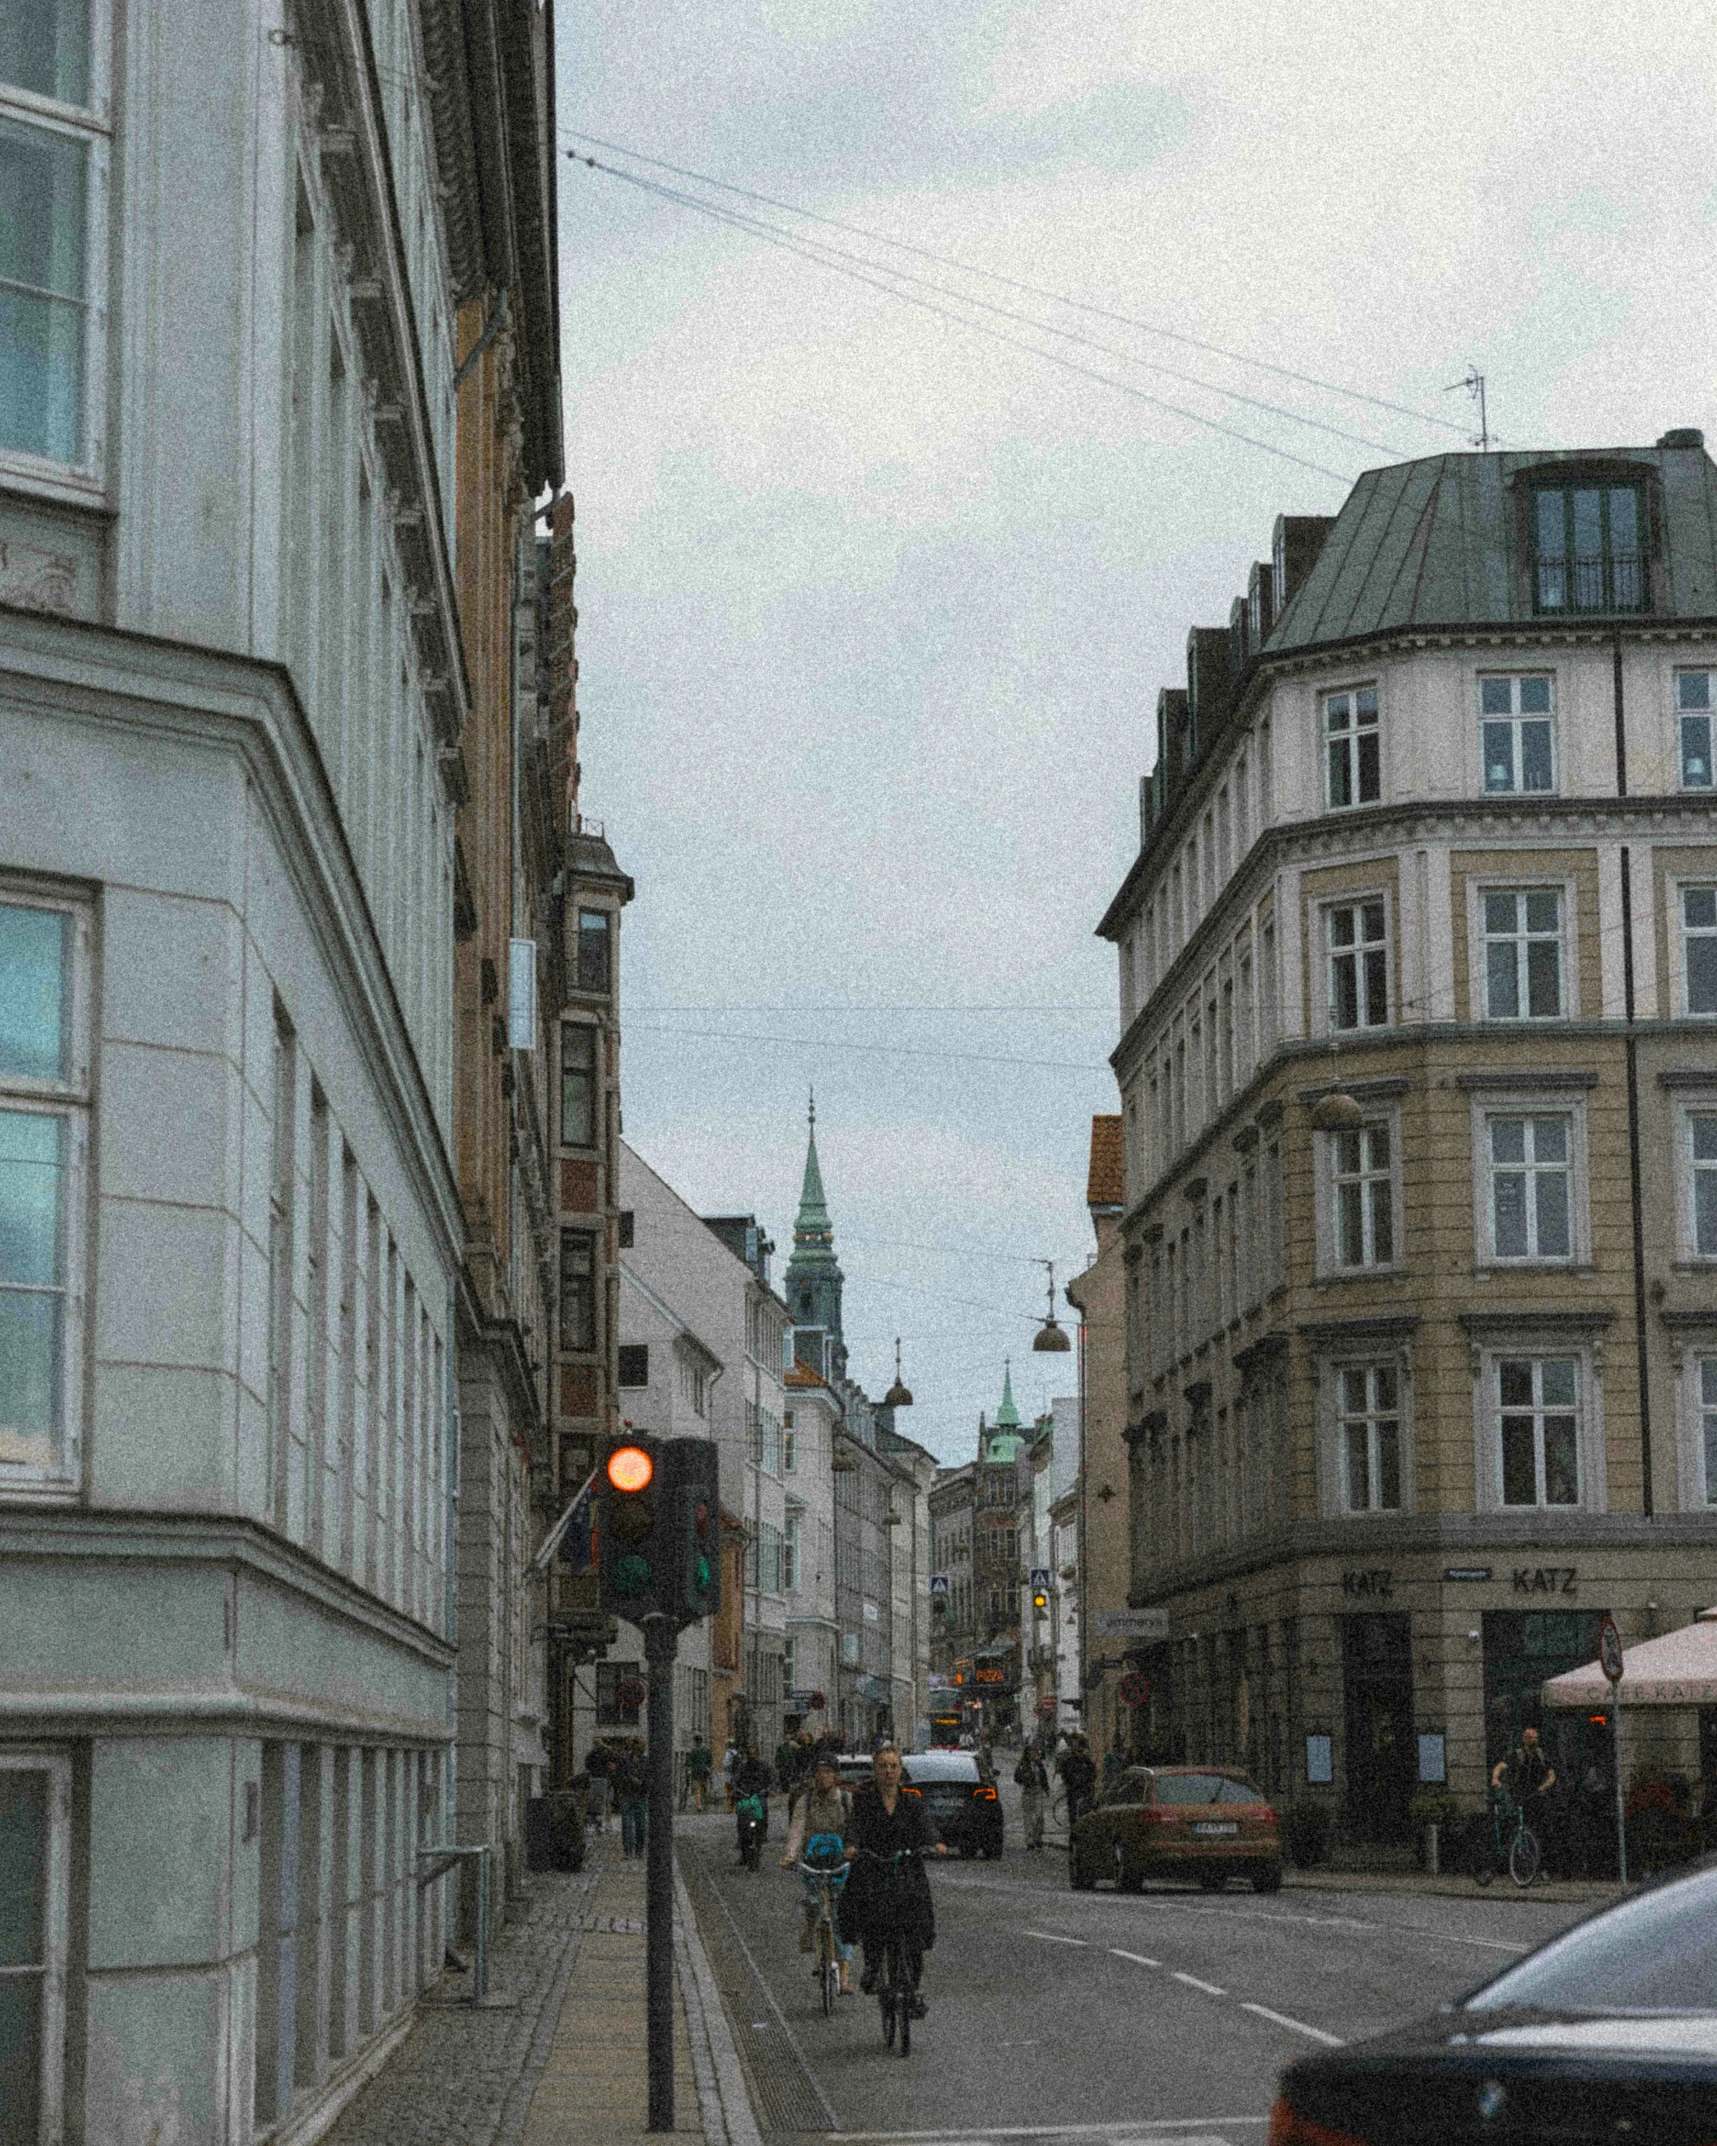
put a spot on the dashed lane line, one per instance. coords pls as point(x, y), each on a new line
point(1298, 2026)
point(1193, 1983)
point(1049, 1938)
point(1138, 1959)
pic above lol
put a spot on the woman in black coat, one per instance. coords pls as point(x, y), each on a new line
point(879, 1903)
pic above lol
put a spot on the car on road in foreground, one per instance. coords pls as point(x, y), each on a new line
point(1207, 1823)
point(1607, 2032)
point(961, 1794)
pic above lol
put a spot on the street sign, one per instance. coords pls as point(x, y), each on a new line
point(1610, 1650)
point(1134, 1688)
point(1610, 1661)
point(1039, 1577)
point(630, 1693)
point(819, 1703)
point(938, 1584)
point(1046, 1708)
point(1132, 1624)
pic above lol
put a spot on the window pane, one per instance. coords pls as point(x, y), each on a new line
point(1388, 1465)
point(1495, 696)
point(1693, 689)
point(1550, 1139)
point(1350, 1228)
point(1624, 519)
point(1376, 990)
point(34, 964)
point(1370, 767)
point(1340, 788)
point(593, 950)
point(1502, 982)
point(1358, 1469)
point(1696, 752)
point(1543, 910)
point(577, 1085)
point(1535, 696)
point(1498, 755)
point(1699, 907)
point(32, 1355)
point(1347, 1153)
point(1702, 975)
point(1510, 1205)
point(1365, 701)
point(1500, 912)
point(1561, 1472)
point(1337, 712)
point(1519, 1479)
point(1377, 1141)
point(1556, 1377)
point(1353, 1391)
point(42, 179)
point(20, 2060)
point(1341, 922)
point(23, 1869)
point(1514, 1384)
point(1508, 1139)
point(1535, 770)
point(44, 47)
point(1705, 1213)
point(1543, 978)
point(1382, 1221)
point(1344, 1013)
point(1553, 1236)
point(32, 1163)
point(1705, 1139)
point(1372, 921)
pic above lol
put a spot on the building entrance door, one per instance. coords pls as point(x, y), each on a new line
point(1377, 1672)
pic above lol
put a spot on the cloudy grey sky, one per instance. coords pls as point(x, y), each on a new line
point(874, 611)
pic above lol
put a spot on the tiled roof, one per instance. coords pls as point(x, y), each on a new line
point(802, 1375)
point(1105, 1184)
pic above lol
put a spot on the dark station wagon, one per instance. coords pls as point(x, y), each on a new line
point(1208, 1823)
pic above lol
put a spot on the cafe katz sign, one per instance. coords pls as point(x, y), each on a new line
point(1376, 1583)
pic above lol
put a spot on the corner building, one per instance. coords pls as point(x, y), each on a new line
point(1418, 969)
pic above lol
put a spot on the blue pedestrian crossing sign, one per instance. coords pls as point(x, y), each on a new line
point(1039, 1578)
point(938, 1584)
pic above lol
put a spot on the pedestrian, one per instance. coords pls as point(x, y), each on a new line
point(699, 1761)
point(1033, 1782)
point(1114, 1765)
point(599, 1766)
point(729, 1766)
point(786, 1764)
point(1078, 1772)
point(632, 1783)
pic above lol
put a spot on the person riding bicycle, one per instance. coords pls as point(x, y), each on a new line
point(821, 1815)
point(751, 1780)
point(1525, 1773)
point(888, 1901)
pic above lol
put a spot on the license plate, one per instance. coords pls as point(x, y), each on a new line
point(1205, 1827)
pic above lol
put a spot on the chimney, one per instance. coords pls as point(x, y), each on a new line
point(1299, 539)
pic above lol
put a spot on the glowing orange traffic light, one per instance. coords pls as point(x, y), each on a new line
point(630, 1468)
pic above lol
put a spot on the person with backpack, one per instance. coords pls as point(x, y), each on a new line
point(751, 1780)
point(1033, 1781)
point(822, 1810)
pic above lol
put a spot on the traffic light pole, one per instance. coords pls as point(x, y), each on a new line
point(661, 1642)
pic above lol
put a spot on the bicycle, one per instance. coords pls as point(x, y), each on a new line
point(897, 1985)
point(752, 1816)
point(827, 1969)
point(1512, 1846)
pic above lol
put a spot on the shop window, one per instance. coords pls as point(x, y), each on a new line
point(1517, 734)
point(44, 1143)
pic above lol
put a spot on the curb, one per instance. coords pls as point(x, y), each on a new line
point(723, 2102)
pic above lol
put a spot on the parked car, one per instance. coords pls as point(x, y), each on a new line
point(1609, 2031)
point(1208, 1823)
point(960, 1792)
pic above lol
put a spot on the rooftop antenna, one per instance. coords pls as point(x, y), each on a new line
point(1050, 1338)
point(1474, 385)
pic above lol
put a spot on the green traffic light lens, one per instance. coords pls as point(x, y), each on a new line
point(703, 1575)
point(632, 1575)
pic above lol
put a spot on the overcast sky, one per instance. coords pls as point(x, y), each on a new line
point(874, 611)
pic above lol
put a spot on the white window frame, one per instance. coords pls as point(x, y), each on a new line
point(1349, 699)
point(1687, 713)
point(1537, 1407)
point(1478, 941)
point(1333, 1372)
point(71, 1100)
point(1537, 1343)
point(1515, 717)
point(1690, 1104)
point(1330, 1267)
point(92, 123)
point(1356, 902)
point(1560, 1103)
point(1684, 931)
point(52, 2049)
point(793, 1551)
point(1700, 1374)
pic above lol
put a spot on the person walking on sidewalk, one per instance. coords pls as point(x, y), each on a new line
point(632, 1783)
point(821, 1808)
point(1033, 1783)
point(1078, 1773)
point(599, 1766)
point(698, 1763)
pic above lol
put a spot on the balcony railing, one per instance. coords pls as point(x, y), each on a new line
point(1611, 581)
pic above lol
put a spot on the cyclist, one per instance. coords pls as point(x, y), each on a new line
point(880, 1903)
point(822, 1808)
point(751, 1781)
point(1526, 1771)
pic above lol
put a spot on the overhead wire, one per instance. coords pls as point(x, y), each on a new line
point(879, 1050)
point(813, 250)
point(841, 261)
point(1017, 283)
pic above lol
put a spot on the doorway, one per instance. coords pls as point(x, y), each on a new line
point(1377, 1673)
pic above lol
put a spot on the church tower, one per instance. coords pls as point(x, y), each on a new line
point(1002, 1439)
point(812, 1284)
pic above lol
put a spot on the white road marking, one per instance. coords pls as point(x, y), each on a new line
point(1138, 1958)
point(1297, 2025)
point(1192, 1982)
point(1049, 1938)
point(1176, 2130)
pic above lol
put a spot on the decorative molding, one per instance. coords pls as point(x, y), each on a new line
point(1362, 1091)
point(1689, 1076)
point(1380, 1326)
point(1529, 1077)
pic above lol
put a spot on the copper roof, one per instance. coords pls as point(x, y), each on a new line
point(1105, 1183)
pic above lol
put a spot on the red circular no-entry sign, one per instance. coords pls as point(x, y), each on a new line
point(630, 1692)
point(1135, 1688)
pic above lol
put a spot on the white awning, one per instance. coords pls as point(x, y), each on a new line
point(1677, 1669)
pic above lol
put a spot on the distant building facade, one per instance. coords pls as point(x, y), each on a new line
point(1419, 1079)
point(1103, 1550)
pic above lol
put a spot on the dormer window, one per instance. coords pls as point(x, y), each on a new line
point(1588, 548)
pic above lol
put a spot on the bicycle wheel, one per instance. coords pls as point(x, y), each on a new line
point(885, 1997)
point(826, 1966)
point(1524, 1856)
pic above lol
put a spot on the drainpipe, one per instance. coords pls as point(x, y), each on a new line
point(1631, 1051)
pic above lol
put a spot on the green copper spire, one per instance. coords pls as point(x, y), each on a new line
point(1007, 1416)
point(812, 1284)
point(813, 1226)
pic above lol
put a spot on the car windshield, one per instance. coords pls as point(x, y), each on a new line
point(1191, 1788)
point(1654, 1953)
point(1239, 1792)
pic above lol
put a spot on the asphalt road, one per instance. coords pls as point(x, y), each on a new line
point(1089, 2016)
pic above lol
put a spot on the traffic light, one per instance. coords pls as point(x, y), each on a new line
point(1040, 1598)
point(694, 1519)
point(632, 1539)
